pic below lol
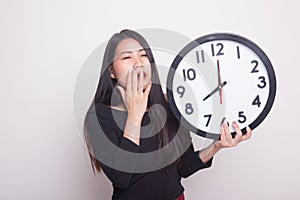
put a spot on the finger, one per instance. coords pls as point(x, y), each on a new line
point(223, 137)
point(147, 90)
point(122, 91)
point(238, 131)
point(128, 83)
point(140, 82)
point(228, 135)
point(134, 81)
point(248, 134)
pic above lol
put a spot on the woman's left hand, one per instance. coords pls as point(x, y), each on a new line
point(226, 140)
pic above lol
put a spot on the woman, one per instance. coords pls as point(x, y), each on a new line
point(129, 98)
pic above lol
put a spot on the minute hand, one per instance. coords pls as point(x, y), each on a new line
point(215, 90)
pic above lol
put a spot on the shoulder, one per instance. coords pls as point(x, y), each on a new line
point(108, 115)
point(107, 110)
point(102, 110)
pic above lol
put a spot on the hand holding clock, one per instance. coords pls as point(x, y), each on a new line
point(226, 139)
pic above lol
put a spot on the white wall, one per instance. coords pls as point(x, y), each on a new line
point(43, 45)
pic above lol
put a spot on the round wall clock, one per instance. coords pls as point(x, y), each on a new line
point(221, 77)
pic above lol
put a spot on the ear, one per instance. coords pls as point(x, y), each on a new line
point(112, 73)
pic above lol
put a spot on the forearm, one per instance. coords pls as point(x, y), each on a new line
point(207, 153)
point(132, 130)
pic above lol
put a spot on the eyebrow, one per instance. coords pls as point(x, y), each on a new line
point(130, 51)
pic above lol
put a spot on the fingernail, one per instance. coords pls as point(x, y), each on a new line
point(234, 123)
point(225, 123)
point(222, 121)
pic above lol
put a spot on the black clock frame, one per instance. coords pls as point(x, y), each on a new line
point(221, 36)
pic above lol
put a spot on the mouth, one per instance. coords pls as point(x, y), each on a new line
point(144, 75)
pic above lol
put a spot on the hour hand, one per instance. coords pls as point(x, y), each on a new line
point(215, 90)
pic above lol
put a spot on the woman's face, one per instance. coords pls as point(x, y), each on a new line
point(130, 55)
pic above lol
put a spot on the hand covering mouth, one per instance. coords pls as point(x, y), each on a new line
point(144, 73)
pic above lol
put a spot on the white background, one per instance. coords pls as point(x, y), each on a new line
point(42, 47)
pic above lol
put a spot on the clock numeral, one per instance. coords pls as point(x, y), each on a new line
point(180, 90)
point(256, 101)
point(263, 81)
point(220, 53)
point(208, 120)
point(198, 57)
point(190, 74)
point(189, 109)
point(254, 70)
point(242, 117)
point(238, 52)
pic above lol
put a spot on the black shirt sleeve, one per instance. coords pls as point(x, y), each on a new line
point(191, 162)
point(118, 178)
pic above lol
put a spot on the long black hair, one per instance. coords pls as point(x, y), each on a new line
point(105, 92)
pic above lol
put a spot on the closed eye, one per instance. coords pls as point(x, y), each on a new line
point(126, 57)
point(143, 53)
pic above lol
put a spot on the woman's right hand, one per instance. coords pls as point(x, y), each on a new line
point(134, 96)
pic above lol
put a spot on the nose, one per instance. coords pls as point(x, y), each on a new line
point(137, 63)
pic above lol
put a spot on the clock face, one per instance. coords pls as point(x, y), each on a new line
point(221, 77)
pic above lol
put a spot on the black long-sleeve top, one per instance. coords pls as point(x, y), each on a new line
point(159, 184)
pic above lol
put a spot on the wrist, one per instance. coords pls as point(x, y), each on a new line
point(132, 127)
point(132, 130)
point(216, 145)
point(135, 120)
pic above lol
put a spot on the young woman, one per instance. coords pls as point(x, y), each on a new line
point(134, 116)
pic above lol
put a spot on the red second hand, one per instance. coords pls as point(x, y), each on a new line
point(219, 81)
